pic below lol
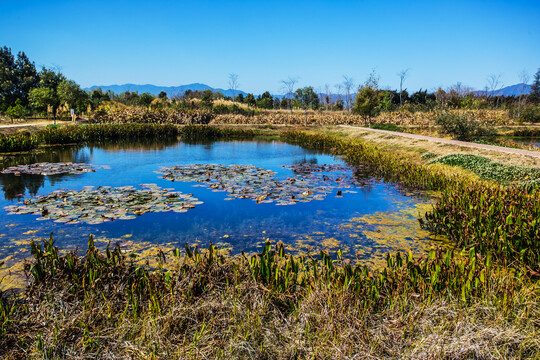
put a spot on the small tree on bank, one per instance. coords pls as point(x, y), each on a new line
point(233, 84)
point(348, 84)
point(307, 98)
point(368, 98)
point(288, 85)
point(534, 95)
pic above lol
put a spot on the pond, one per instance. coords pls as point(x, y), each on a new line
point(235, 194)
point(528, 141)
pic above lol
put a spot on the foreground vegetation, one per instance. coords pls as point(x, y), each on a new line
point(205, 304)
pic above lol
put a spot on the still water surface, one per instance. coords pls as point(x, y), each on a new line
point(375, 218)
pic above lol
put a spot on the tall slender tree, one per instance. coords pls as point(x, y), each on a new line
point(524, 78)
point(288, 86)
point(403, 75)
point(26, 77)
point(348, 84)
point(534, 95)
point(233, 84)
point(7, 80)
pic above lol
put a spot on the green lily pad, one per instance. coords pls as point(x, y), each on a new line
point(310, 181)
point(48, 169)
point(104, 204)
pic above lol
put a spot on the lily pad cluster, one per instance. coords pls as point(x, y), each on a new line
point(48, 169)
point(258, 184)
point(315, 168)
point(96, 206)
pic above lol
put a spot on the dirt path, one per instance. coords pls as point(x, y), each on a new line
point(23, 125)
point(535, 154)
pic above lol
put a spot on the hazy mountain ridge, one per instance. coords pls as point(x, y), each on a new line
point(512, 90)
point(170, 90)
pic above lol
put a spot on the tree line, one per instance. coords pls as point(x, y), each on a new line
point(24, 91)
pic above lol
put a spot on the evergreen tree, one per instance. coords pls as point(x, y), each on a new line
point(17, 78)
point(7, 81)
point(534, 95)
point(26, 77)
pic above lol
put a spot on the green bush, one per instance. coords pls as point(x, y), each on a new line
point(232, 109)
point(530, 114)
point(460, 126)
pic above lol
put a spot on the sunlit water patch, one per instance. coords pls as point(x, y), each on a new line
point(335, 207)
point(528, 141)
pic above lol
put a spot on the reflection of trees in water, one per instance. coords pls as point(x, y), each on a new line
point(135, 145)
point(15, 187)
point(364, 180)
point(305, 160)
point(52, 155)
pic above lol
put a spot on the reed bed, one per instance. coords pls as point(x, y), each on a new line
point(399, 118)
point(23, 141)
point(114, 114)
point(103, 132)
point(127, 114)
point(205, 304)
point(79, 134)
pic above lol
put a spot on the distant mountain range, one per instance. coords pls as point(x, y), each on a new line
point(512, 90)
point(170, 90)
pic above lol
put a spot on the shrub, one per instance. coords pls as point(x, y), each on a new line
point(232, 109)
point(530, 114)
point(460, 126)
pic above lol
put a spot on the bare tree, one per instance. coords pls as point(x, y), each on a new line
point(373, 80)
point(320, 94)
point(339, 93)
point(524, 78)
point(327, 95)
point(288, 85)
point(493, 82)
point(233, 84)
point(403, 75)
point(347, 84)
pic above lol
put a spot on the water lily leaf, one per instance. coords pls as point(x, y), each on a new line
point(310, 182)
point(104, 204)
point(48, 169)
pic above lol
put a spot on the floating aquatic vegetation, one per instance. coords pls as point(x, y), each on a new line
point(262, 185)
point(48, 169)
point(96, 206)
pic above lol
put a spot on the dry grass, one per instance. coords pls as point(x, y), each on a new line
point(224, 310)
point(414, 148)
point(419, 121)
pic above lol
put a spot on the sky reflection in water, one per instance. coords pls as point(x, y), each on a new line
point(377, 218)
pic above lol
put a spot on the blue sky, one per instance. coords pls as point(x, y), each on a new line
point(175, 42)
